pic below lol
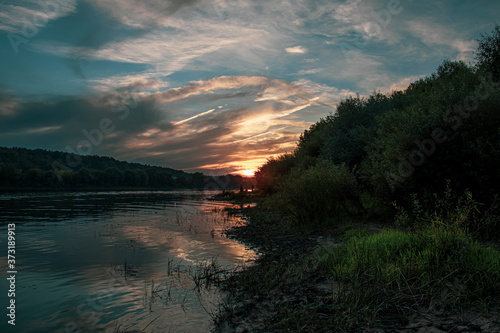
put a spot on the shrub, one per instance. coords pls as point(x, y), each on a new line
point(317, 195)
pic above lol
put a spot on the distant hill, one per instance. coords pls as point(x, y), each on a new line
point(40, 168)
point(44, 159)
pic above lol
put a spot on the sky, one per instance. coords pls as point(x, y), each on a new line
point(214, 86)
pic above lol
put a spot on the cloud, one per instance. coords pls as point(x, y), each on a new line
point(358, 19)
point(43, 129)
point(324, 95)
point(48, 124)
point(436, 35)
point(296, 49)
point(271, 89)
point(8, 102)
point(193, 117)
point(367, 70)
point(143, 14)
point(248, 119)
point(149, 80)
point(27, 17)
point(243, 133)
point(237, 37)
point(402, 84)
point(201, 45)
point(165, 36)
point(309, 71)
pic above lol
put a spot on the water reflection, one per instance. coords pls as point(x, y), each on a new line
point(115, 261)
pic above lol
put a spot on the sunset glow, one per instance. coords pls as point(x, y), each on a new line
point(210, 86)
point(249, 173)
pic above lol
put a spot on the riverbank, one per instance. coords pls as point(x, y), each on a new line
point(292, 287)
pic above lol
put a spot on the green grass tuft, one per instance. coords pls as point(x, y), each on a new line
point(394, 272)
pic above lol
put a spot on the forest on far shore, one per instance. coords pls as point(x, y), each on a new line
point(40, 168)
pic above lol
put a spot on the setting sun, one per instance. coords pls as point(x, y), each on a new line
point(249, 173)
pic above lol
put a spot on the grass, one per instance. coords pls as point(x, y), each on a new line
point(431, 265)
point(207, 274)
point(384, 277)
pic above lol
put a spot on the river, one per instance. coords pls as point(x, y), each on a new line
point(115, 261)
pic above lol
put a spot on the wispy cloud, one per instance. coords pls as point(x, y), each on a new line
point(193, 117)
point(143, 14)
point(270, 89)
point(296, 49)
point(309, 71)
point(402, 84)
point(27, 17)
point(43, 129)
point(8, 102)
point(167, 51)
point(434, 35)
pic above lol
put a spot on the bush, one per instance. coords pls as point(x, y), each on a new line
point(320, 194)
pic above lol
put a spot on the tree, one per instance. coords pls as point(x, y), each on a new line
point(33, 177)
point(352, 127)
point(131, 178)
point(153, 177)
point(166, 179)
point(68, 178)
point(100, 178)
point(10, 174)
point(488, 53)
point(269, 175)
point(198, 180)
point(115, 176)
point(50, 179)
point(83, 177)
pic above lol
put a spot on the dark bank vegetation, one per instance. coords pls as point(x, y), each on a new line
point(384, 278)
point(383, 149)
point(423, 164)
point(40, 168)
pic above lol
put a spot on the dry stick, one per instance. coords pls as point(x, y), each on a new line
point(152, 321)
point(183, 303)
point(408, 285)
point(211, 314)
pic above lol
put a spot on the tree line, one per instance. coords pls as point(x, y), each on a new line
point(385, 149)
point(40, 168)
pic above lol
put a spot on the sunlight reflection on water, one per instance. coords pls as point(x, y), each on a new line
point(96, 261)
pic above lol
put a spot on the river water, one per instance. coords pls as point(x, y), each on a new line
point(115, 261)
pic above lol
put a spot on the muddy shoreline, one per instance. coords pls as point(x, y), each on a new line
point(284, 290)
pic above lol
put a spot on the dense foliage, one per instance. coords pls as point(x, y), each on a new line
point(20, 167)
point(426, 159)
point(445, 127)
